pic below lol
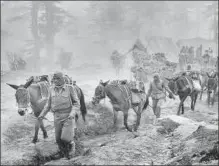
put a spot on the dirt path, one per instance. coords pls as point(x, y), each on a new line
point(120, 147)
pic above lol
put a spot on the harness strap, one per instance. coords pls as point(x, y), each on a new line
point(126, 91)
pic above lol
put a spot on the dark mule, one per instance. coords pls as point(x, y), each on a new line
point(30, 94)
point(183, 86)
point(80, 94)
point(212, 85)
point(120, 96)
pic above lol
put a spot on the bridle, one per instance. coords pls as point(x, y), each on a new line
point(28, 104)
point(102, 94)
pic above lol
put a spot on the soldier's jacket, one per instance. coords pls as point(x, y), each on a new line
point(156, 90)
point(63, 102)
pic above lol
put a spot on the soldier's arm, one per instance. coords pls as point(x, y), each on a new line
point(75, 100)
point(47, 107)
point(168, 90)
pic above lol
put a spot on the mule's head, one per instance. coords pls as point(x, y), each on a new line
point(212, 83)
point(172, 85)
point(22, 97)
point(99, 93)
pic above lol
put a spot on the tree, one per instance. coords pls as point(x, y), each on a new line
point(35, 31)
point(118, 61)
point(52, 21)
point(211, 13)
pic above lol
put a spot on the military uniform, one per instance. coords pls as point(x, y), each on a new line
point(63, 102)
point(157, 93)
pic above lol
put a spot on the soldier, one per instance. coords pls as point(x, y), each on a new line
point(188, 71)
point(157, 93)
point(64, 103)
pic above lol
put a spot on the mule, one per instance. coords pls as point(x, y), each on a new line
point(182, 86)
point(212, 85)
point(29, 95)
point(120, 96)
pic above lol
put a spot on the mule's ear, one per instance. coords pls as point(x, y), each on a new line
point(168, 79)
point(28, 83)
point(13, 86)
point(207, 74)
point(105, 83)
point(214, 75)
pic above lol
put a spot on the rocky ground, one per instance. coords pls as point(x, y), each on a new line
point(189, 139)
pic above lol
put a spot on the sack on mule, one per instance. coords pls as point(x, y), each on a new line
point(196, 85)
point(136, 99)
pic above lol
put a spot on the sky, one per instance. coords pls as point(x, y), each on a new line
point(77, 8)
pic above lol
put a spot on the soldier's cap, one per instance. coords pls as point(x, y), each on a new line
point(58, 75)
point(156, 75)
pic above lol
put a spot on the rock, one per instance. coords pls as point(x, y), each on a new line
point(205, 132)
point(73, 161)
point(46, 149)
point(168, 125)
point(181, 160)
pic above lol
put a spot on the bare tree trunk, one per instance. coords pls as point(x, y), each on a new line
point(50, 32)
point(34, 28)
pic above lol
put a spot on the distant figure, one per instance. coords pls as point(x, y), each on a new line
point(188, 70)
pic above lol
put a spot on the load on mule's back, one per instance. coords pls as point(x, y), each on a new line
point(120, 95)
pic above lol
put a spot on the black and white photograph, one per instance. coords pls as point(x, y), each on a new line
point(109, 83)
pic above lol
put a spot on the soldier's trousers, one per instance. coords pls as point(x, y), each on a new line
point(64, 129)
point(156, 108)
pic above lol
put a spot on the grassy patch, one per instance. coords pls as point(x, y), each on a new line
point(16, 132)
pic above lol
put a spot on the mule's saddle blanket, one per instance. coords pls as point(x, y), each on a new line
point(135, 97)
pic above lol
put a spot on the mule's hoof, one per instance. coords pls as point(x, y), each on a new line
point(115, 129)
point(35, 141)
point(45, 136)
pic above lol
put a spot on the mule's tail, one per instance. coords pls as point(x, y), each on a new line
point(146, 104)
point(83, 105)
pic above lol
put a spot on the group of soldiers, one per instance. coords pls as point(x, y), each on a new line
point(190, 53)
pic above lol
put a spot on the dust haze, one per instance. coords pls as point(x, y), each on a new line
point(110, 40)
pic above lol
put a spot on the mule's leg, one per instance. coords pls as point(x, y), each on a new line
point(115, 115)
point(195, 99)
point(138, 113)
point(208, 98)
point(182, 99)
point(213, 99)
point(126, 121)
point(43, 130)
point(37, 126)
point(192, 101)
point(200, 98)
